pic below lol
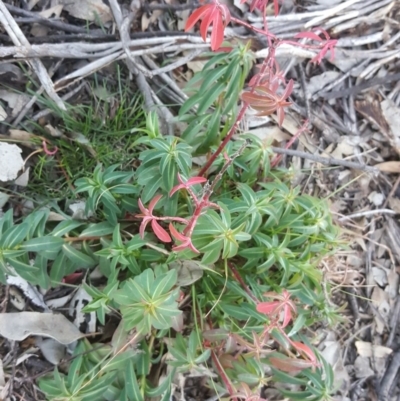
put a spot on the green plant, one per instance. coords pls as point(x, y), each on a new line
point(241, 281)
point(94, 132)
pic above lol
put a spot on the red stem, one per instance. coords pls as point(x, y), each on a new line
point(222, 145)
point(242, 283)
point(270, 58)
point(251, 27)
point(223, 376)
point(278, 158)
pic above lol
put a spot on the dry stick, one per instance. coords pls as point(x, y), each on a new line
point(34, 98)
point(360, 87)
point(392, 191)
point(166, 78)
point(366, 213)
point(150, 97)
point(389, 377)
point(360, 66)
point(168, 7)
point(95, 50)
point(19, 39)
point(178, 63)
point(394, 322)
point(48, 22)
point(328, 132)
point(303, 83)
point(329, 161)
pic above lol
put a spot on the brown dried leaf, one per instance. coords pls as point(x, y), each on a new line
point(89, 10)
point(371, 110)
point(366, 349)
point(389, 167)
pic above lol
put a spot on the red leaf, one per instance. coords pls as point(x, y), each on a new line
point(268, 308)
point(215, 14)
point(207, 20)
point(217, 34)
point(305, 350)
point(196, 180)
point(160, 232)
point(153, 203)
point(285, 364)
point(287, 316)
point(176, 234)
point(197, 14)
point(290, 365)
point(308, 35)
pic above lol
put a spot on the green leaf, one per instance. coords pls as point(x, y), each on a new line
point(163, 284)
point(191, 102)
point(212, 78)
point(43, 244)
point(131, 384)
point(286, 378)
point(164, 386)
point(21, 267)
point(6, 221)
point(168, 171)
point(196, 125)
point(97, 230)
point(65, 227)
point(13, 236)
point(79, 258)
point(210, 98)
point(150, 190)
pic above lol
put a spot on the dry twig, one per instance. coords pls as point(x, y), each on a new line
point(19, 39)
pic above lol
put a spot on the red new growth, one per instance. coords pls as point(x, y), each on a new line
point(147, 215)
point(214, 14)
point(306, 352)
point(283, 304)
point(185, 185)
point(262, 5)
point(326, 44)
point(266, 101)
point(186, 241)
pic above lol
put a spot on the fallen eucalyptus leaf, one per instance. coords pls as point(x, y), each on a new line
point(18, 326)
point(29, 290)
point(90, 10)
point(189, 271)
point(51, 349)
point(11, 162)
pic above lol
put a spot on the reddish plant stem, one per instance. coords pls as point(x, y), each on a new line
point(223, 376)
point(222, 145)
point(254, 29)
point(302, 129)
point(208, 190)
point(242, 283)
point(269, 59)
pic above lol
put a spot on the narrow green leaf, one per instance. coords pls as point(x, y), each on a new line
point(13, 236)
point(163, 284)
point(131, 384)
point(79, 258)
point(65, 227)
point(211, 97)
point(43, 244)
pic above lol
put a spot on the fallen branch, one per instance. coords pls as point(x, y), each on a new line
point(328, 161)
point(20, 40)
